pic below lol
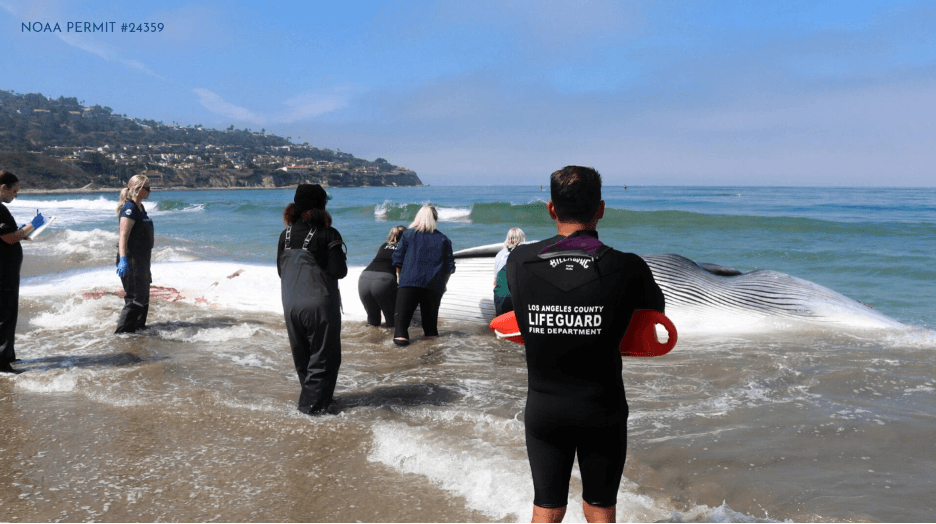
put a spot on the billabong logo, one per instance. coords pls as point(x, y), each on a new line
point(553, 262)
point(128, 212)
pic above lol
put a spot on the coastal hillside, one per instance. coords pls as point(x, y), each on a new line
point(62, 144)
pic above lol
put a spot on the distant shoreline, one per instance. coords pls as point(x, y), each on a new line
point(28, 191)
point(96, 190)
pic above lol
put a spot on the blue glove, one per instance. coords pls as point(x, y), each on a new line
point(38, 220)
point(122, 267)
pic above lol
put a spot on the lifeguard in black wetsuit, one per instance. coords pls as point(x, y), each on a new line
point(574, 298)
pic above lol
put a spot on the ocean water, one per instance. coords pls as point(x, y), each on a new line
point(196, 420)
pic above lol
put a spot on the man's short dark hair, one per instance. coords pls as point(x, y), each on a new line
point(575, 193)
point(8, 179)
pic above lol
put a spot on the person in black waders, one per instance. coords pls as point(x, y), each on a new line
point(574, 298)
point(311, 257)
point(134, 250)
point(11, 260)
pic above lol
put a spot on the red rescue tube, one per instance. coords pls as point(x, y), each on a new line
point(639, 341)
point(641, 337)
point(506, 326)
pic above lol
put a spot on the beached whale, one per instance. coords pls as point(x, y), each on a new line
point(699, 297)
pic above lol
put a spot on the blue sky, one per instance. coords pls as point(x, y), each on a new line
point(504, 92)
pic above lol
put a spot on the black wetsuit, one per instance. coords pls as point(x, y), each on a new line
point(573, 305)
point(136, 282)
point(11, 260)
point(310, 264)
point(377, 286)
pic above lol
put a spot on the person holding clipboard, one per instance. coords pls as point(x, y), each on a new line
point(11, 260)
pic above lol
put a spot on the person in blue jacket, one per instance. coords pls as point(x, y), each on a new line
point(424, 261)
point(11, 260)
point(134, 251)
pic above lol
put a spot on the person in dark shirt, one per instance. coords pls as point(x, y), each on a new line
point(425, 261)
point(134, 253)
point(574, 298)
point(11, 260)
point(310, 259)
point(377, 285)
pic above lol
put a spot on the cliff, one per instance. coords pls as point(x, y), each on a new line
point(62, 144)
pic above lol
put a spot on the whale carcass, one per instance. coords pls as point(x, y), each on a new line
point(701, 297)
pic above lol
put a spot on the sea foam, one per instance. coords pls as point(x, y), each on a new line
point(490, 482)
point(496, 481)
point(63, 383)
point(72, 211)
point(246, 287)
point(72, 313)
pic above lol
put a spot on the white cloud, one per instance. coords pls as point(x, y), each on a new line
point(90, 44)
point(95, 46)
point(309, 105)
point(300, 107)
point(214, 103)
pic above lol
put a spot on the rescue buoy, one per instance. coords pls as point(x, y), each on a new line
point(640, 340)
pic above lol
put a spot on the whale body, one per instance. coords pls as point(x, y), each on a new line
point(699, 297)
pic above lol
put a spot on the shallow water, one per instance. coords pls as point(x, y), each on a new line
point(195, 420)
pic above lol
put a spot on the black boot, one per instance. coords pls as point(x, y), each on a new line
point(7, 368)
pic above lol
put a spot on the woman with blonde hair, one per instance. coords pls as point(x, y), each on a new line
point(134, 250)
point(377, 285)
point(424, 262)
point(502, 302)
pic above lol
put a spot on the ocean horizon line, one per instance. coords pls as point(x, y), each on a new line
point(65, 191)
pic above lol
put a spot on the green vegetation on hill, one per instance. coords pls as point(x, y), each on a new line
point(62, 144)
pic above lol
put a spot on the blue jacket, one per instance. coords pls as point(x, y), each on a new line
point(425, 259)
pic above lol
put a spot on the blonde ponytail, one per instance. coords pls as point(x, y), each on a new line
point(123, 200)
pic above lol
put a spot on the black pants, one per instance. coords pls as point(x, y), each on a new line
point(9, 311)
point(559, 429)
point(314, 330)
point(407, 300)
point(502, 305)
point(378, 292)
point(136, 284)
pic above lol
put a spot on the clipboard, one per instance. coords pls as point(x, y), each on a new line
point(40, 229)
